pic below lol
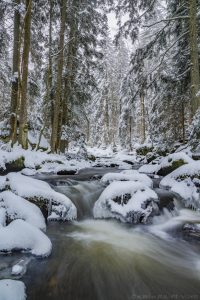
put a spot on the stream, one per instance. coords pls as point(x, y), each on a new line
point(107, 260)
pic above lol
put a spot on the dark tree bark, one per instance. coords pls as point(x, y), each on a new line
point(23, 125)
point(195, 77)
point(58, 94)
point(15, 73)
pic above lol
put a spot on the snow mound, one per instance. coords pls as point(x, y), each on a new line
point(29, 172)
point(130, 202)
point(128, 175)
point(185, 182)
point(37, 190)
point(149, 169)
point(20, 235)
point(12, 290)
point(167, 164)
point(19, 208)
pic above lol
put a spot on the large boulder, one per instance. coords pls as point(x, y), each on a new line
point(129, 202)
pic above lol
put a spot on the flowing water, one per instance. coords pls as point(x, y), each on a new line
point(107, 260)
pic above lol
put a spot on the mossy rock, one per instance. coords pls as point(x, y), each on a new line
point(91, 157)
point(151, 156)
point(167, 170)
point(42, 203)
point(144, 150)
point(13, 166)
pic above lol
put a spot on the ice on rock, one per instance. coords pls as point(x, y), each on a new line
point(20, 235)
point(130, 202)
point(30, 188)
point(12, 290)
point(127, 175)
point(19, 208)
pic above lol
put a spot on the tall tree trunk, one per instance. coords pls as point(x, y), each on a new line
point(143, 130)
point(130, 132)
point(58, 94)
point(23, 126)
point(183, 120)
point(15, 74)
point(50, 73)
point(195, 77)
point(71, 67)
point(106, 122)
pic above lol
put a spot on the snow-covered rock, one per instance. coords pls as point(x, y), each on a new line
point(12, 290)
point(167, 165)
point(18, 208)
point(20, 235)
point(16, 159)
point(29, 172)
point(185, 182)
point(20, 267)
point(149, 169)
point(130, 202)
point(127, 175)
point(37, 190)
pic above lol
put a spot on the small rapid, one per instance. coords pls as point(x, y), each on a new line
point(108, 260)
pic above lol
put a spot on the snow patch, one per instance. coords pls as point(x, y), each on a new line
point(12, 290)
point(20, 235)
point(127, 175)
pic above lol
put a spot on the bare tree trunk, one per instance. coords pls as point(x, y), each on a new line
point(23, 126)
point(58, 94)
point(15, 79)
point(195, 77)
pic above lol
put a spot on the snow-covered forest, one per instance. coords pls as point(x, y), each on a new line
point(67, 78)
point(99, 149)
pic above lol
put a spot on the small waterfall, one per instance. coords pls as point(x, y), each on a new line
point(83, 194)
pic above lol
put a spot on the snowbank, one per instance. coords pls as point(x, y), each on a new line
point(185, 181)
point(12, 290)
point(20, 235)
point(37, 161)
point(130, 202)
point(127, 175)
